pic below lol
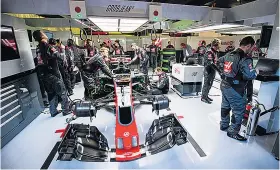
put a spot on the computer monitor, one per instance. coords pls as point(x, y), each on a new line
point(268, 65)
point(265, 36)
point(8, 44)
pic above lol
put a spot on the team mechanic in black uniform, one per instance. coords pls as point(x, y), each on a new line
point(90, 71)
point(63, 65)
point(78, 58)
point(143, 57)
point(162, 85)
point(51, 75)
point(237, 71)
point(210, 62)
point(153, 51)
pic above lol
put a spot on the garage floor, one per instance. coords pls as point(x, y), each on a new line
point(31, 147)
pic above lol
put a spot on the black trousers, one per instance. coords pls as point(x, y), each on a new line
point(209, 76)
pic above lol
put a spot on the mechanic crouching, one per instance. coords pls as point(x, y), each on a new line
point(162, 86)
point(237, 71)
point(52, 79)
point(90, 71)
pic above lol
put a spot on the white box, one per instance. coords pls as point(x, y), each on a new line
point(188, 73)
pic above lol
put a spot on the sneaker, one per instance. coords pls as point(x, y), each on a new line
point(237, 137)
point(53, 115)
point(46, 103)
point(223, 128)
point(70, 93)
point(66, 113)
point(209, 98)
point(205, 100)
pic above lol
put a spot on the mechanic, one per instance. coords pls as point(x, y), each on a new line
point(237, 70)
point(169, 45)
point(51, 75)
point(187, 51)
point(143, 57)
point(201, 50)
point(162, 86)
point(117, 49)
point(79, 58)
point(256, 52)
point(230, 48)
point(91, 49)
point(67, 66)
point(153, 51)
point(210, 70)
point(90, 71)
point(39, 67)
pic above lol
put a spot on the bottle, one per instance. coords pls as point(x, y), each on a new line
point(253, 120)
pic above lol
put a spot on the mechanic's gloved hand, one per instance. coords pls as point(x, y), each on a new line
point(222, 76)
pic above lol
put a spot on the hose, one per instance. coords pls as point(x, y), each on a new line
point(81, 34)
point(70, 29)
point(153, 32)
point(266, 111)
point(98, 38)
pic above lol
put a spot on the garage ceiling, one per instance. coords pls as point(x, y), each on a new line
point(216, 3)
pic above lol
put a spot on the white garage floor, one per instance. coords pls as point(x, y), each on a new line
point(30, 148)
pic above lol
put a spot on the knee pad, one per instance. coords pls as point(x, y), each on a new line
point(225, 112)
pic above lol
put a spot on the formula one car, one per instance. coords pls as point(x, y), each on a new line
point(115, 59)
point(87, 143)
point(104, 86)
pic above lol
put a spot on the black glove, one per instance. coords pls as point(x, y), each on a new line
point(222, 76)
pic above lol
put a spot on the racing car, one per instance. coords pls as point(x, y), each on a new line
point(87, 143)
point(104, 85)
point(115, 59)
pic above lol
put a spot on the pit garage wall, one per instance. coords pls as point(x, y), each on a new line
point(25, 63)
point(176, 41)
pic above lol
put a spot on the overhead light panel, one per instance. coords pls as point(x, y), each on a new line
point(214, 27)
point(25, 15)
point(248, 32)
point(118, 24)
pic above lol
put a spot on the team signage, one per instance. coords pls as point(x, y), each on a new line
point(119, 8)
point(78, 9)
point(155, 13)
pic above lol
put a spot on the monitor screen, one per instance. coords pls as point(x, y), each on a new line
point(49, 34)
point(268, 65)
point(265, 36)
point(9, 48)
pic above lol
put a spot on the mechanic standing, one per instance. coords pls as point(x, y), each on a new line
point(51, 75)
point(79, 58)
point(91, 49)
point(153, 51)
point(143, 57)
point(39, 67)
point(201, 50)
point(230, 48)
point(68, 66)
point(237, 71)
point(90, 71)
point(117, 49)
point(210, 62)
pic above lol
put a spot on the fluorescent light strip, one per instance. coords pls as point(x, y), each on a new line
point(214, 27)
point(111, 24)
point(249, 32)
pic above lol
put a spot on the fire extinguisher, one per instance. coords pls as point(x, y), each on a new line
point(255, 113)
point(253, 119)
